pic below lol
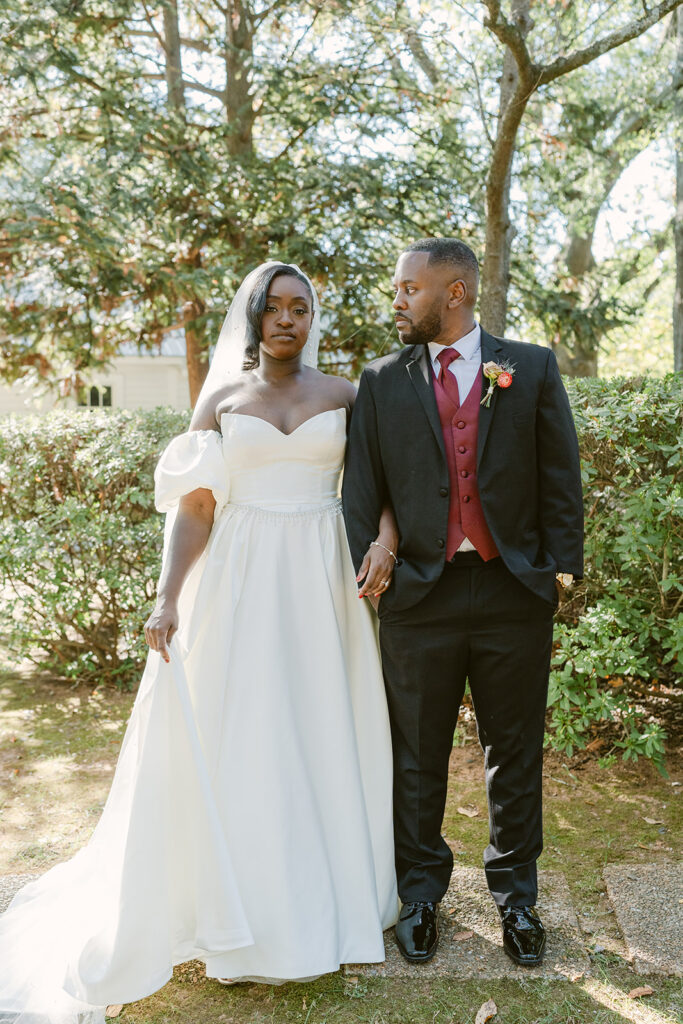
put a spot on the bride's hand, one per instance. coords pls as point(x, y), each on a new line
point(376, 572)
point(160, 627)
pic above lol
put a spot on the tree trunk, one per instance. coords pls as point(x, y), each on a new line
point(197, 354)
point(193, 306)
point(580, 361)
point(521, 77)
point(580, 257)
point(239, 105)
point(173, 58)
point(514, 96)
point(678, 215)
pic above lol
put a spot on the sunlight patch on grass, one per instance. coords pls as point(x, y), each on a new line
point(635, 1010)
point(49, 769)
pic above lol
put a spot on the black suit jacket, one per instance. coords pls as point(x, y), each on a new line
point(528, 469)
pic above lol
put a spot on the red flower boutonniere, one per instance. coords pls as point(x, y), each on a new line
point(500, 374)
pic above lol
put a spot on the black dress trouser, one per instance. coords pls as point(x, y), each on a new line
point(478, 623)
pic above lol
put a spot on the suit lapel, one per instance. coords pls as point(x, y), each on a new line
point(418, 371)
point(491, 351)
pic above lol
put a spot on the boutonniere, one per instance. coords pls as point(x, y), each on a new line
point(500, 374)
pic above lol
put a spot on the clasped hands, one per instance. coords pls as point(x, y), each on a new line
point(377, 569)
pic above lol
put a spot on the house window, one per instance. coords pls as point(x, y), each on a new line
point(96, 396)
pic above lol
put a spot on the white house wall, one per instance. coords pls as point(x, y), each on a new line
point(137, 382)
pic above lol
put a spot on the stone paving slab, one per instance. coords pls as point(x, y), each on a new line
point(9, 886)
point(648, 903)
point(468, 907)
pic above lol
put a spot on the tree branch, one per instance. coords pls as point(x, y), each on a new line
point(155, 33)
point(187, 84)
point(585, 55)
point(305, 32)
point(192, 44)
point(480, 99)
point(511, 36)
point(258, 19)
point(414, 43)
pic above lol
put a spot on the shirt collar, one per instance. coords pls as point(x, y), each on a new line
point(469, 346)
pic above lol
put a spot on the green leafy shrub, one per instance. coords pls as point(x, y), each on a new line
point(619, 639)
point(80, 547)
point(80, 540)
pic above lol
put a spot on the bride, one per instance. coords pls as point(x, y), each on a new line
point(249, 820)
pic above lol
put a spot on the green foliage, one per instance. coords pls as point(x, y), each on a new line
point(80, 546)
point(619, 640)
point(325, 133)
point(80, 541)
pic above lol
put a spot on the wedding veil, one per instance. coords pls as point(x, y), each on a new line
point(230, 348)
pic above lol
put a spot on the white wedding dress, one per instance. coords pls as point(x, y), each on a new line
point(249, 820)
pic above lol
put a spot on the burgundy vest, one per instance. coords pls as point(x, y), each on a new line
point(460, 431)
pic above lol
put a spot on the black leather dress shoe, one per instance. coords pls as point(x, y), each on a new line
point(417, 931)
point(523, 935)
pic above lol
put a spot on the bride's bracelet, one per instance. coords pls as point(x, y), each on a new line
point(377, 544)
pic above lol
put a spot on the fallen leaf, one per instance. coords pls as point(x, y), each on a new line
point(576, 976)
point(653, 821)
point(462, 936)
point(352, 979)
point(644, 990)
point(486, 1012)
point(114, 1010)
point(469, 812)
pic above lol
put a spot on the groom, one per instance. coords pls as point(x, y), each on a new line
point(471, 440)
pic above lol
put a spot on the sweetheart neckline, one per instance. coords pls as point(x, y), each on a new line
point(247, 416)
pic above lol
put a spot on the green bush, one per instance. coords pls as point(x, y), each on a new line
point(619, 639)
point(80, 547)
point(80, 541)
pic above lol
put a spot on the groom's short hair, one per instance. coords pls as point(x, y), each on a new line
point(448, 250)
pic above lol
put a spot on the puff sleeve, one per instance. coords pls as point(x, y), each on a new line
point(191, 460)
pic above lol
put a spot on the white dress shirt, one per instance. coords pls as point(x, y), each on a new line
point(465, 370)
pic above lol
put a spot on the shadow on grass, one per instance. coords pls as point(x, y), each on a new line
point(58, 748)
point(602, 999)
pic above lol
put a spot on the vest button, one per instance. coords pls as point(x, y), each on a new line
point(461, 424)
point(466, 498)
point(444, 492)
point(440, 542)
point(463, 472)
point(462, 449)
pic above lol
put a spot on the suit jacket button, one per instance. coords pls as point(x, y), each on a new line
point(460, 424)
point(440, 542)
point(462, 449)
point(463, 473)
point(444, 492)
point(466, 498)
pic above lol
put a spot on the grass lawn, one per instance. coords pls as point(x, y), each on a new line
point(58, 748)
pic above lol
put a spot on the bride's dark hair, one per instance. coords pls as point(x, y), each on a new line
point(256, 307)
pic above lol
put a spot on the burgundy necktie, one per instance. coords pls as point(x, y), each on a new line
point(446, 378)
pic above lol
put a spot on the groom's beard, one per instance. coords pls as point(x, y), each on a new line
point(424, 331)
